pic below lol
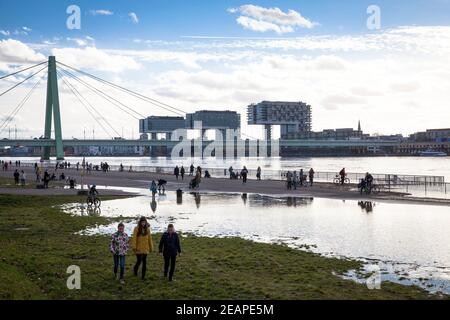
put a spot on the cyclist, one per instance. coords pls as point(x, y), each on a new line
point(93, 193)
point(369, 182)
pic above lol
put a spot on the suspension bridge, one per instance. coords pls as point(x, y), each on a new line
point(71, 77)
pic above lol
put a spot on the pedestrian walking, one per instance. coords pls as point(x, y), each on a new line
point(311, 176)
point(244, 174)
point(119, 247)
point(169, 248)
point(23, 178)
point(176, 172)
point(16, 176)
point(258, 173)
point(142, 245)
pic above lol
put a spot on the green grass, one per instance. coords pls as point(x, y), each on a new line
point(30, 183)
point(34, 259)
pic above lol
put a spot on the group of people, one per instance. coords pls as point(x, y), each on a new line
point(179, 172)
point(20, 178)
point(366, 184)
point(159, 186)
point(141, 244)
point(294, 179)
point(242, 174)
point(47, 177)
point(5, 165)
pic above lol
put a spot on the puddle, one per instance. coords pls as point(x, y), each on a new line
point(410, 244)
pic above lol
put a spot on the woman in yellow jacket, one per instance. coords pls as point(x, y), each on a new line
point(142, 245)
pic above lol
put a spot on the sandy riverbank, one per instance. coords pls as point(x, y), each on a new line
point(142, 180)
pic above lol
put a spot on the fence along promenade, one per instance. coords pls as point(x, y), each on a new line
point(270, 174)
point(416, 185)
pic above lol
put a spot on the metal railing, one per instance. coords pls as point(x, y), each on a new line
point(270, 174)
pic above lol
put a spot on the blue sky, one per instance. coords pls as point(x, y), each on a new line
point(225, 55)
point(171, 19)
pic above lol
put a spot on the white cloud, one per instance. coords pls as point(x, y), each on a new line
point(95, 59)
point(101, 12)
point(337, 100)
point(262, 26)
point(262, 19)
point(377, 77)
point(134, 17)
point(26, 29)
point(5, 32)
point(82, 42)
point(14, 51)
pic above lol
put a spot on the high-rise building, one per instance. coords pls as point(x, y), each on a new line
point(292, 117)
point(214, 119)
point(154, 125)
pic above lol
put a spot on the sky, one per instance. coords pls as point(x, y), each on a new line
point(390, 71)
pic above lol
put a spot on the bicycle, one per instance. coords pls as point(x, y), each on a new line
point(338, 180)
point(373, 189)
point(93, 201)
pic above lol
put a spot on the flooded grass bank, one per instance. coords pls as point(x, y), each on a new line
point(39, 242)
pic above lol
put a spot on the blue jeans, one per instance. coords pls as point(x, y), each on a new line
point(119, 261)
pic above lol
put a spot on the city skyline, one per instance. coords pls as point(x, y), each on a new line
point(228, 55)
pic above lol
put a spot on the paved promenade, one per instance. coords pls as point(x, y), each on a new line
point(142, 180)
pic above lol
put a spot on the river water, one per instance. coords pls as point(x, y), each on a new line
point(408, 243)
point(439, 166)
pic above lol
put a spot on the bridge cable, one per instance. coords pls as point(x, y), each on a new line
point(133, 93)
point(17, 109)
point(88, 106)
point(18, 84)
point(20, 71)
point(78, 95)
point(128, 92)
point(62, 75)
point(103, 95)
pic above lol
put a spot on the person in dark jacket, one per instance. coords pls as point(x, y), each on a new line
point(16, 177)
point(169, 248)
point(182, 172)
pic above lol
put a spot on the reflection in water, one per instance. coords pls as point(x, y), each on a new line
point(367, 205)
point(179, 197)
point(257, 200)
point(244, 198)
point(411, 241)
point(153, 204)
point(198, 199)
point(90, 211)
